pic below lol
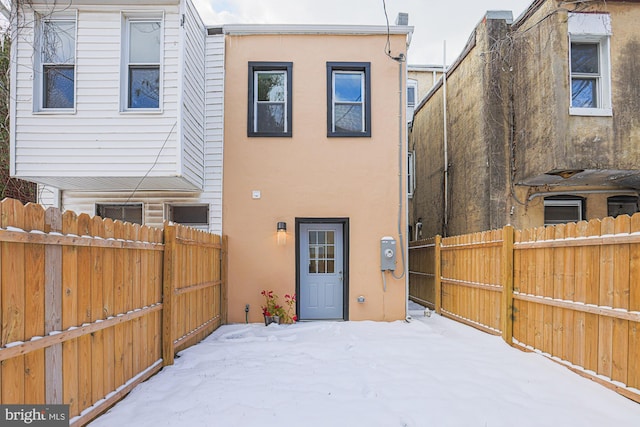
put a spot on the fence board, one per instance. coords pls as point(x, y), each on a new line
point(108, 280)
point(13, 303)
point(84, 315)
point(35, 306)
point(70, 315)
point(605, 324)
point(568, 294)
point(620, 351)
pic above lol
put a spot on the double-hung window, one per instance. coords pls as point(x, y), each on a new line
point(57, 64)
point(270, 106)
point(142, 53)
point(589, 64)
point(348, 99)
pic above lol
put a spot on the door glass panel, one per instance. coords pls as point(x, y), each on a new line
point(321, 252)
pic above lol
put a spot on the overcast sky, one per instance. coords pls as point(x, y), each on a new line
point(434, 21)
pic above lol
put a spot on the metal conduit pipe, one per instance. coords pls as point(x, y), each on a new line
point(626, 191)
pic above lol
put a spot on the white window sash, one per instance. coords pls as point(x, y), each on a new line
point(334, 102)
point(256, 102)
point(127, 19)
point(39, 89)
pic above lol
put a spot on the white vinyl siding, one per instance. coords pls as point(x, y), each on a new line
point(99, 141)
point(214, 130)
point(153, 202)
point(193, 97)
point(49, 197)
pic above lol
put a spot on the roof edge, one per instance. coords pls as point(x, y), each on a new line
point(249, 29)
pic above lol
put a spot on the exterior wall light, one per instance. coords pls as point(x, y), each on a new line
point(282, 233)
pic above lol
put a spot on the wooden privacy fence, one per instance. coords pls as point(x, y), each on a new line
point(570, 292)
point(92, 307)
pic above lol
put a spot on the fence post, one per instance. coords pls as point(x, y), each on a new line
point(53, 308)
point(224, 279)
point(507, 284)
point(168, 278)
point(437, 273)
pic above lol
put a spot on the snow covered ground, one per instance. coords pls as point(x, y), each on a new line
point(430, 372)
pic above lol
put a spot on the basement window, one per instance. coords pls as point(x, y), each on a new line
point(129, 212)
point(563, 209)
point(622, 205)
point(192, 215)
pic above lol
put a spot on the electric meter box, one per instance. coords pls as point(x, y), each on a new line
point(387, 254)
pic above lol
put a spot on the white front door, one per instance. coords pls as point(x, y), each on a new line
point(321, 271)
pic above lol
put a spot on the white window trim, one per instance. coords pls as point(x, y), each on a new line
point(565, 202)
point(593, 28)
point(38, 81)
point(126, 17)
point(361, 102)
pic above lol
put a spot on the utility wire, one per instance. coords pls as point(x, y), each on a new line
point(154, 163)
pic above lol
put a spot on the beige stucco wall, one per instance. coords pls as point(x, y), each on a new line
point(310, 175)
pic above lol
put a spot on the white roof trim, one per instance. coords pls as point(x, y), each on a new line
point(246, 29)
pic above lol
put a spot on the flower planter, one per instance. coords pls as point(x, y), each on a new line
point(271, 319)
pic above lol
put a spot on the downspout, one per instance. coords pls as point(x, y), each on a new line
point(400, 59)
point(445, 208)
point(402, 195)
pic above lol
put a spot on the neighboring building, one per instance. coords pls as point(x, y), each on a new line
point(314, 140)
point(541, 122)
point(117, 109)
point(420, 79)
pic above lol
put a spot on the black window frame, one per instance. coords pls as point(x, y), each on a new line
point(269, 66)
point(365, 68)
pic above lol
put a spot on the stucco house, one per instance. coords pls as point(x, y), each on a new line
point(290, 140)
point(541, 119)
point(315, 141)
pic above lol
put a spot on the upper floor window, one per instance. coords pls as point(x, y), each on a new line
point(412, 96)
point(270, 105)
point(57, 64)
point(589, 64)
point(348, 99)
point(142, 53)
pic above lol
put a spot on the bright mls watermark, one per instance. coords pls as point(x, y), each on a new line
point(34, 415)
